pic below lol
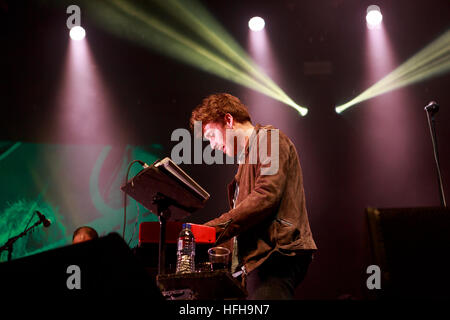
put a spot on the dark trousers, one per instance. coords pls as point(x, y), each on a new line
point(277, 277)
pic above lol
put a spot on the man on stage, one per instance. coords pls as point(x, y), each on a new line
point(267, 226)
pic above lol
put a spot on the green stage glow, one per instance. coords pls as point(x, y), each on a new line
point(431, 61)
point(189, 34)
point(44, 177)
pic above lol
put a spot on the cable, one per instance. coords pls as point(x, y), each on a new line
point(135, 224)
point(226, 224)
point(125, 196)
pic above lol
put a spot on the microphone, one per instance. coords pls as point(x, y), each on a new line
point(43, 219)
point(432, 107)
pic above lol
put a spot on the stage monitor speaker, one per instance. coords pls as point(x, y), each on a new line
point(412, 247)
point(103, 266)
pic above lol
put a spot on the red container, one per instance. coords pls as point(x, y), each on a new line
point(149, 232)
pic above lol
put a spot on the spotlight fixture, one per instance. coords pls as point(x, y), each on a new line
point(77, 33)
point(373, 16)
point(256, 24)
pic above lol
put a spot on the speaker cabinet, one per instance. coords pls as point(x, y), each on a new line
point(103, 266)
point(412, 247)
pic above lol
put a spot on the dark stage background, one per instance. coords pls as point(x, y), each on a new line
point(378, 154)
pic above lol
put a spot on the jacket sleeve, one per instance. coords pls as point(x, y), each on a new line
point(261, 203)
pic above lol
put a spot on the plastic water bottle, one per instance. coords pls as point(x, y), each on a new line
point(186, 250)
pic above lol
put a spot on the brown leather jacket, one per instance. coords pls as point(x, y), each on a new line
point(270, 212)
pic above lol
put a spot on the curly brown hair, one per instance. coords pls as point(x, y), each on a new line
point(214, 108)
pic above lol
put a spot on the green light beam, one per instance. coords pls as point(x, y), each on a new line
point(219, 38)
point(236, 75)
point(429, 62)
point(118, 19)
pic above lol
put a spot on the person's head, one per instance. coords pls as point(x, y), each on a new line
point(84, 233)
point(220, 113)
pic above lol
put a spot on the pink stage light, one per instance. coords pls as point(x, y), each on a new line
point(389, 129)
point(374, 16)
point(77, 33)
point(85, 110)
point(256, 24)
point(261, 52)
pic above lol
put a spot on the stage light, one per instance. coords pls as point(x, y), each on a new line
point(256, 24)
point(431, 61)
point(373, 16)
point(208, 46)
point(77, 33)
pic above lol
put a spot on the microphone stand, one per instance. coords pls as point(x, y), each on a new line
point(9, 244)
point(432, 108)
